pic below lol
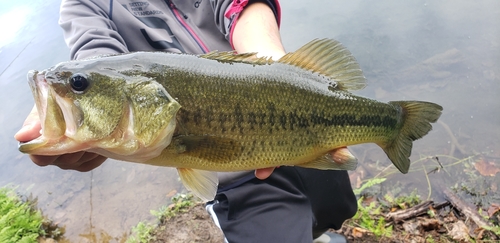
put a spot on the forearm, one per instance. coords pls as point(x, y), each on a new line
point(257, 31)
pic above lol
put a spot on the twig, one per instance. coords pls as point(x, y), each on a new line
point(454, 141)
point(467, 210)
point(414, 211)
point(428, 183)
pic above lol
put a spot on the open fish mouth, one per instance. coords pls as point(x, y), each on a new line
point(39, 87)
point(52, 121)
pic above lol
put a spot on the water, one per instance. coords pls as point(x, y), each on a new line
point(446, 52)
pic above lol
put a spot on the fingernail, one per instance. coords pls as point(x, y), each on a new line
point(23, 129)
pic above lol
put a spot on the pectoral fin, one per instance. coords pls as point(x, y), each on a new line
point(153, 110)
point(326, 162)
point(201, 183)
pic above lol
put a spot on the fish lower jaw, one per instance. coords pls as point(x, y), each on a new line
point(51, 147)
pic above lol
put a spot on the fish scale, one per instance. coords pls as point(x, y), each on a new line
point(222, 112)
point(259, 120)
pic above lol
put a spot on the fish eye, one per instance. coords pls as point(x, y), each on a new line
point(79, 82)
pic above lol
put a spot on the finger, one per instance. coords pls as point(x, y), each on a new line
point(31, 127)
point(90, 165)
point(68, 161)
point(80, 161)
point(42, 160)
point(263, 173)
point(87, 156)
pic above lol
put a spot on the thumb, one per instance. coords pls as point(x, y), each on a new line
point(264, 173)
point(31, 127)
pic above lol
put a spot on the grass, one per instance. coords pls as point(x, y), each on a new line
point(369, 215)
point(143, 232)
point(180, 204)
point(20, 221)
point(373, 206)
point(369, 218)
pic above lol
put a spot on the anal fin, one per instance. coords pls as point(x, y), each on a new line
point(201, 183)
point(326, 162)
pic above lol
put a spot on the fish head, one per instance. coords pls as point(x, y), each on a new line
point(91, 106)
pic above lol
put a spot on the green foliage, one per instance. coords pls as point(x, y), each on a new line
point(429, 239)
point(495, 228)
point(368, 184)
point(144, 232)
point(369, 218)
point(403, 201)
point(180, 204)
point(19, 221)
point(141, 233)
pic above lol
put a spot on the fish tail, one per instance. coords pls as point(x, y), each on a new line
point(417, 117)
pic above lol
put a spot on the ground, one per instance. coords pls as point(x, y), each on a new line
point(446, 225)
point(195, 225)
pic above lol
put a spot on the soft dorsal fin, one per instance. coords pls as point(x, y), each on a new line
point(331, 59)
point(232, 57)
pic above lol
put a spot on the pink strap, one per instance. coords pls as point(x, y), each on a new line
point(235, 8)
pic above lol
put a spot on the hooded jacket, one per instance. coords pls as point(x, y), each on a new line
point(97, 27)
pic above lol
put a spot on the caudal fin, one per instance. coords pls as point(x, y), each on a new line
point(417, 117)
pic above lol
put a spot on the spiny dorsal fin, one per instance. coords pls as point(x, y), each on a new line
point(231, 57)
point(331, 59)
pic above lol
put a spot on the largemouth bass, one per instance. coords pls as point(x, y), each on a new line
point(221, 111)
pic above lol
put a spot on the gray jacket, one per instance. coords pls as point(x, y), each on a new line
point(99, 27)
point(96, 27)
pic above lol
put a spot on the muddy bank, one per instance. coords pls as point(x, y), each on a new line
point(445, 224)
point(195, 225)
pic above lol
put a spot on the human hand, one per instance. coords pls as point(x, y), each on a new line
point(80, 161)
point(264, 173)
point(340, 156)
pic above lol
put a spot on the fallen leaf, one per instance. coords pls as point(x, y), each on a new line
point(356, 177)
point(459, 231)
point(429, 224)
point(411, 227)
point(486, 168)
point(358, 182)
point(172, 193)
point(494, 208)
point(358, 232)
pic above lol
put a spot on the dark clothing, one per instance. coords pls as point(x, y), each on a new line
point(304, 203)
